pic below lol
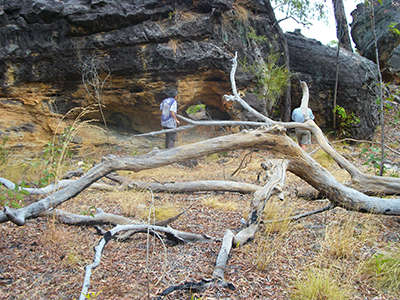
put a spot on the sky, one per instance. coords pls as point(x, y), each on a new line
point(323, 31)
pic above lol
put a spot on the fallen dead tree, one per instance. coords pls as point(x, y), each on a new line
point(270, 138)
point(170, 233)
point(126, 184)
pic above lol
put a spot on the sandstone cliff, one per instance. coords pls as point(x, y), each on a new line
point(146, 47)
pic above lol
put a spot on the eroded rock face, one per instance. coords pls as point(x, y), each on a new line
point(147, 46)
point(315, 64)
point(386, 14)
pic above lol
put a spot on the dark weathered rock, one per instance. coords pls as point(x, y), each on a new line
point(388, 42)
point(315, 64)
point(148, 47)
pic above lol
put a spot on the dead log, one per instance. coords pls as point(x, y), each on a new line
point(187, 186)
point(99, 218)
point(275, 176)
point(223, 255)
point(171, 233)
point(171, 187)
point(271, 139)
point(51, 188)
point(196, 186)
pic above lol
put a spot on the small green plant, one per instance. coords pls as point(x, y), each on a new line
point(92, 295)
point(392, 28)
point(346, 121)
point(333, 44)
point(55, 152)
point(384, 269)
point(13, 197)
point(372, 156)
point(91, 211)
point(172, 14)
point(252, 35)
point(195, 108)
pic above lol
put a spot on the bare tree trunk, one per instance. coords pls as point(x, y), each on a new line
point(382, 113)
point(286, 101)
point(336, 85)
point(342, 29)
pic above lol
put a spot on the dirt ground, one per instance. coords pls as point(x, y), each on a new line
point(45, 259)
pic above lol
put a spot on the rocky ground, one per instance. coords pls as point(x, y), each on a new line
point(45, 259)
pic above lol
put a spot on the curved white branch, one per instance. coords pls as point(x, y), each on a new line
point(179, 235)
point(51, 188)
point(236, 97)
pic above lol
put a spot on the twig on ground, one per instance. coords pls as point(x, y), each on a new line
point(242, 162)
point(303, 215)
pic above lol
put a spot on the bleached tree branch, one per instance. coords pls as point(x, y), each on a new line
point(182, 236)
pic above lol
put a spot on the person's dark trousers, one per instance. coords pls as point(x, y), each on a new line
point(170, 138)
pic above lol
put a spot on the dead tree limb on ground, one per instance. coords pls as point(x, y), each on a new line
point(170, 233)
point(171, 187)
point(99, 218)
point(276, 174)
point(51, 188)
point(272, 139)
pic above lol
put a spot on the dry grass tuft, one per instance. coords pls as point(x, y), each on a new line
point(277, 210)
point(319, 284)
point(241, 12)
point(340, 240)
point(324, 159)
point(166, 211)
point(186, 16)
point(174, 45)
point(345, 239)
point(215, 203)
point(132, 203)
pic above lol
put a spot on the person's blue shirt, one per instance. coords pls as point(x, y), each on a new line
point(297, 115)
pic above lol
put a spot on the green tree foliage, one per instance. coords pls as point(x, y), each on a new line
point(302, 10)
point(271, 79)
point(346, 120)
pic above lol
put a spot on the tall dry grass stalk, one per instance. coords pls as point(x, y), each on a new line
point(271, 242)
point(61, 146)
point(174, 45)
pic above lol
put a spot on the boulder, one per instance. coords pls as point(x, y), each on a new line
point(387, 14)
point(315, 64)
